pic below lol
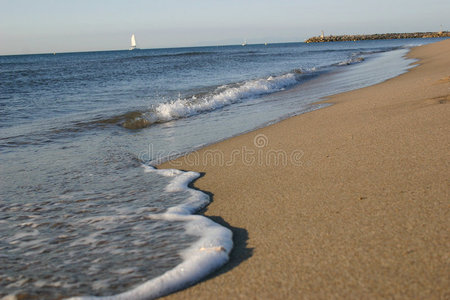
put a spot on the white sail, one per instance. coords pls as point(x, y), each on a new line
point(133, 42)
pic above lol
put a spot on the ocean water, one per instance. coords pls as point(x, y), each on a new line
point(82, 210)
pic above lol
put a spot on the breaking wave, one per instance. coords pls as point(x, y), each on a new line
point(222, 96)
point(351, 61)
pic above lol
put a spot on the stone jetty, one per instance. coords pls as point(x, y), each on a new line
point(384, 36)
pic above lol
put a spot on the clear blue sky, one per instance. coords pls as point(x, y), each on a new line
point(42, 26)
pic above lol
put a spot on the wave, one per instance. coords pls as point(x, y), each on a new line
point(209, 253)
point(167, 111)
point(222, 96)
point(180, 54)
point(356, 50)
point(216, 98)
point(193, 53)
point(229, 94)
point(360, 55)
point(351, 61)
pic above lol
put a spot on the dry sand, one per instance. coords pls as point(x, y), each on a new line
point(360, 207)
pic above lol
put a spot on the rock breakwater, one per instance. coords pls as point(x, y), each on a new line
point(383, 36)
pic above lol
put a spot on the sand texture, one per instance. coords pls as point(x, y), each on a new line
point(350, 201)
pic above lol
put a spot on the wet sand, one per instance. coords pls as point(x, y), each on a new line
point(350, 201)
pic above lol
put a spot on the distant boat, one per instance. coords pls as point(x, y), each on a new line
point(244, 43)
point(133, 43)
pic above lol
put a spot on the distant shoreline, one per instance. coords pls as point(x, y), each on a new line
point(378, 36)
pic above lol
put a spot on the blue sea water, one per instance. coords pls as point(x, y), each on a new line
point(81, 210)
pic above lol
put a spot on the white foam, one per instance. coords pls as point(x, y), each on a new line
point(223, 96)
point(351, 61)
point(163, 172)
point(196, 201)
point(210, 252)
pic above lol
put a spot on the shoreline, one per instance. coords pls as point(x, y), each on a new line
point(350, 200)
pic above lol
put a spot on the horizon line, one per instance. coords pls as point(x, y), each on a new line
point(156, 48)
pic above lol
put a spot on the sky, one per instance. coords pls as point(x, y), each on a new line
point(46, 26)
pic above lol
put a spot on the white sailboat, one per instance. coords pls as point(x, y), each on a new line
point(133, 43)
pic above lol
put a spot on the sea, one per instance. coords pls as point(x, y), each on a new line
point(83, 211)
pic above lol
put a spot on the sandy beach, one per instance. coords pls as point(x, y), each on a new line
point(350, 201)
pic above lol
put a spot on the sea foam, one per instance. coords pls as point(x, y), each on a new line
point(207, 254)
